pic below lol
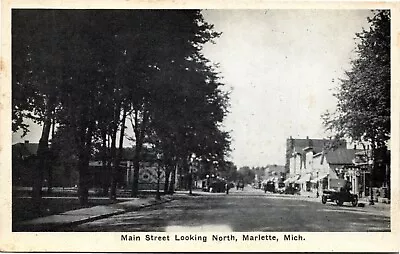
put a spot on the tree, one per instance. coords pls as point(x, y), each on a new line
point(89, 80)
point(363, 108)
point(246, 174)
point(37, 72)
point(177, 73)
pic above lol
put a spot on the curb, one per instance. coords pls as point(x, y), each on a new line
point(53, 227)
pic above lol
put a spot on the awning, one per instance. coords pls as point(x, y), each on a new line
point(291, 179)
point(319, 178)
point(304, 178)
point(273, 179)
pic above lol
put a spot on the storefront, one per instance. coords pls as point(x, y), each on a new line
point(319, 182)
point(304, 182)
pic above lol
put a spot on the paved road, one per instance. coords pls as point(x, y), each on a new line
point(247, 211)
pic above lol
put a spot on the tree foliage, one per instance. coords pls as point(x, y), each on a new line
point(90, 70)
point(363, 108)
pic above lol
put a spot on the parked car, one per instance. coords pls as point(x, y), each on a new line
point(217, 185)
point(269, 186)
point(339, 193)
point(292, 189)
point(281, 188)
point(240, 185)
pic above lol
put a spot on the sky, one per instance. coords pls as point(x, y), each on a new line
point(282, 67)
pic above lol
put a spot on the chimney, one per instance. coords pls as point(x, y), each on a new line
point(26, 142)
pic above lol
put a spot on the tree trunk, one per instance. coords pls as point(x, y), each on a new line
point(158, 197)
point(121, 141)
point(50, 165)
point(105, 169)
point(115, 166)
point(136, 167)
point(83, 163)
point(171, 189)
point(139, 130)
point(181, 180)
point(187, 172)
point(167, 175)
point(83, 189)
point(168, 170)
point(42, 153)
point(113, 191)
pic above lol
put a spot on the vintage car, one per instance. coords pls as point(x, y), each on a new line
point(240, 185)
point(217, 185)
point(281, 188)
point(269, 186)
point(292, 189)
point(339, 193)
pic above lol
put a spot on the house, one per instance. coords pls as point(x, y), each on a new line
point(57, 174)
point(335, 164)
point(149, 173)
point(23, 163)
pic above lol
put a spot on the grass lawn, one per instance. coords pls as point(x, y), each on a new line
point(59, 201)
point(22, 208)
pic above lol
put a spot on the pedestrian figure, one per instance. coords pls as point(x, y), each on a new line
point(227, 188)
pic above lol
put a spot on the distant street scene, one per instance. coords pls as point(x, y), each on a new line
point(201, 120)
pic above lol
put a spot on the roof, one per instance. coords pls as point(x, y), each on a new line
point(25, 149)
point(316, 144)
point(341, 156)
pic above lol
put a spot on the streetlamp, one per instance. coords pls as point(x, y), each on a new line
point(192, 157)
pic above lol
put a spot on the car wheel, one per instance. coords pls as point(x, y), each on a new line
point(324, 199)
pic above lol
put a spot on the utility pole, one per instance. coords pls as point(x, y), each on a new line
point(317, 184)
point(158, 197)
point(371, 168)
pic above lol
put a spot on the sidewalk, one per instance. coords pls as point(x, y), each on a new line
point(79, 216)
point(379, 207)
point(380, 202)
point(363, 203)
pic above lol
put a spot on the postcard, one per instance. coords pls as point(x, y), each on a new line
point(199, 126)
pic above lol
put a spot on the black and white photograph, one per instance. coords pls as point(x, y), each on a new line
point(265, 122)
point(216, 120)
